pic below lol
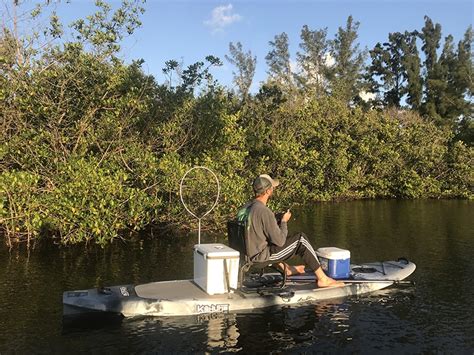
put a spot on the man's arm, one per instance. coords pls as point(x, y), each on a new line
point(276, 234)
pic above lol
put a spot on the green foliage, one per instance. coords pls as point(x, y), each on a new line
point(412, 63)
point(394, 62)
point(345, 75)
point(90, 202)
point(92, 149)
point(312, 59)
point(459, 178)
point(103, 30)
point(439, 88)
point(245, 63)
point(21, 210)
point(278, 61)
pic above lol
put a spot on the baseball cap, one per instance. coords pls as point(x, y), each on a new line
point(264, 182)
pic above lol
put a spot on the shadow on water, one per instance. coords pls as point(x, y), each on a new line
point(86, 323)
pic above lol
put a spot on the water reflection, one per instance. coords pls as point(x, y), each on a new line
point(222, 332)
point(434, 316)
point(351, 324)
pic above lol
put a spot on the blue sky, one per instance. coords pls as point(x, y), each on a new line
point(190, 30)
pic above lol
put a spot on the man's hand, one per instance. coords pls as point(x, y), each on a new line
point(286, 217)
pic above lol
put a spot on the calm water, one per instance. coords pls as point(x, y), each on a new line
point(436, 315)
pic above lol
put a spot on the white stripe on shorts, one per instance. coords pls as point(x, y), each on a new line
point(310, 248)
point(282, 253)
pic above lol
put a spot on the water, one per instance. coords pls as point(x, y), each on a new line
point(436, 315)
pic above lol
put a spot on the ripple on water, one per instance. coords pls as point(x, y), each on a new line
point(434, 316)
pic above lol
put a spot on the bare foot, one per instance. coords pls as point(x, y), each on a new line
point(292, 269)
point(328, 282)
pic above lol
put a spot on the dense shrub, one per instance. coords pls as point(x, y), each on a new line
point(92, 149)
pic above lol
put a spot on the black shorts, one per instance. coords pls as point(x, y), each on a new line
point(297, 244)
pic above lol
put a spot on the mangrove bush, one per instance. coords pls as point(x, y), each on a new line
point(92, 148)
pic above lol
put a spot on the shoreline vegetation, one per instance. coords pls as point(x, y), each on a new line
point(92, 148)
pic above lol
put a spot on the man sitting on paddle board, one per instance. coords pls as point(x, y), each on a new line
point(269, 241)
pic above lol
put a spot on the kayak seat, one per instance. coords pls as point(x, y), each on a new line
point(237, 236)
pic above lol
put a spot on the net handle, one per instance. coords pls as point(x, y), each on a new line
point(186, 207)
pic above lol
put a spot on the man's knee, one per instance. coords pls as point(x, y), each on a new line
point(301, 236)
point(297, 237)
point(304, 242)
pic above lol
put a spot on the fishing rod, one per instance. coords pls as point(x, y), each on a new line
point(310, 278)
point(395, 282)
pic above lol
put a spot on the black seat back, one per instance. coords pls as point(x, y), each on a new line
point(236, 235)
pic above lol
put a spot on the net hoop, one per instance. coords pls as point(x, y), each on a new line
point(213, 205)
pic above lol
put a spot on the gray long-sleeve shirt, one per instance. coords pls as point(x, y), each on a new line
point(263, 231)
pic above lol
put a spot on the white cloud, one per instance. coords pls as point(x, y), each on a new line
point(222, 17)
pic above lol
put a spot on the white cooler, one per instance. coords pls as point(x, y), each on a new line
point(216, 268)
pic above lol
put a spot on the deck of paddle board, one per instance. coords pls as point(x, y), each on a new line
point(184, 297)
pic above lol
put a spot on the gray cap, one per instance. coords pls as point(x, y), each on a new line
point(264, 182)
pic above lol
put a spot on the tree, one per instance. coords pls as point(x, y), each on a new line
point(245, 64)
point(193, 76)
point(346, 74)
point(448, 80)
point(465, 87)
point(312, 59)
point(448, 98)
point(463, 74)
point(190, 78)
point(387, 64)
point(431, 35)
point(397, 64)
point(172, 66)
point(278, 61)
point(412, 65)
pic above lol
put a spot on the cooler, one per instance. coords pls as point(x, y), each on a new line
point(335, 262)
point(216, 268)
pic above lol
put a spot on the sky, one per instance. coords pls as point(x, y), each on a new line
point(189, 30)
